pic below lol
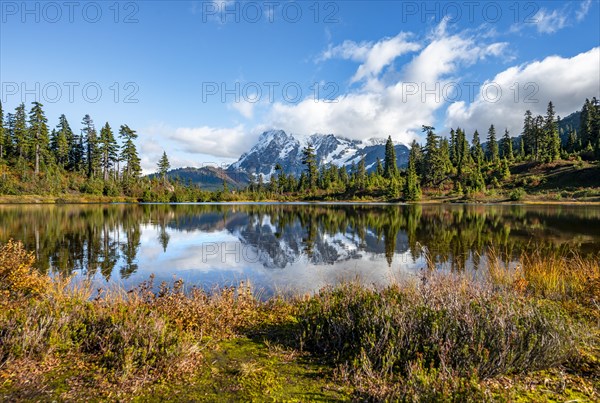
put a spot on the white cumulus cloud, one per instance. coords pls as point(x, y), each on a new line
point(564, 81)
point(381, 107)
point(374, 56)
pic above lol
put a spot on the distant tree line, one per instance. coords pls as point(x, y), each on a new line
point(446, 163)
point(26, 139)
point(37, 158)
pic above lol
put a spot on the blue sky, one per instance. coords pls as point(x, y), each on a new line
point(202, 80)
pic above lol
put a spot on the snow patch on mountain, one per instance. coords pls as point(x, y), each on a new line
point(278, 147)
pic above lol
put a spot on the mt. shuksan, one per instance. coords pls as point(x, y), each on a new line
point(277, 147)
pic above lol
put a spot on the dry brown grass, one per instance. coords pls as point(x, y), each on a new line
point(555, 276)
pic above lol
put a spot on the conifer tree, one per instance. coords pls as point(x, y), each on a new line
point(310, 160)
point(522, 148)
point(9, 135)
point(2, 136)
point(361, 174)
point(72, 142)
point(572, 141)
point(463, 155)
point(20, 136)
point(129, 155)
point(454, 147)
point(586, 124)
point(390, 165)
point(76, 156)
point(92, 157)
point(343, 173)
point(379, 168)
point(596, 125)
point(434, 162)
point(507, 149)
point(39, 134)
point(552, 139)
point(107, 148)
point(505, 169)
point(477, 150)
point(281, 179)
point(163, 166)
point(529, 139)
point(61, 141)
point(444, 155)
point(412, 191)
point(462, 151)
point(492, 146)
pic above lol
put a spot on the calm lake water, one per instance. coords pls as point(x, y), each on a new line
point(287, 247)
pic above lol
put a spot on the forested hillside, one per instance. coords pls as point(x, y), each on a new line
point(37, 159)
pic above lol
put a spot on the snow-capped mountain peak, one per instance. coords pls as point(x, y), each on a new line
point(278, 147)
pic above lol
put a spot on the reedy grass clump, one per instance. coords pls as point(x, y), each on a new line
point(560, 276)
point(445, 324)
point(222, 313)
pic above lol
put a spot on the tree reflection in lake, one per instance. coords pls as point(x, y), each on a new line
point(214, 242)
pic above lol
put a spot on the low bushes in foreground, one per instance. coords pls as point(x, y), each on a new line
point(17, 279)
point(447, 326)
point(442, 337)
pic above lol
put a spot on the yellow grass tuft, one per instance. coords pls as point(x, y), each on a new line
point(18, 278)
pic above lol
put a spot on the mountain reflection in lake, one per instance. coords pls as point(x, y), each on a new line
point(295, 247)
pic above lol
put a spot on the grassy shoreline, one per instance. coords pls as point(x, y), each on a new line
point(85, 199)
point(528, 334)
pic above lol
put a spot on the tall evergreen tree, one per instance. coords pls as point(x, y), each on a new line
point(505, 169)
point(477, 150)
point(529, 139)
point(552, 139)
point(454, 153)
point(522, 148)
point(412, 191)
point(379, 168)
point(344, 179)
point(586, 124)
point(572, 141)
point(361, 174)
point(39, 134)
point(20, 137)
point(92, 156)
point(310, 160)
point(9, 135)
point(281, 178)
point(539, 138)
point(444, 155)
point(75, 142)
point(107, 148)
point(61, 141)
point(163, 166)
point(462, 151)
point(129, 155)
point(76, 155)
point(434, 163)
point(507, 148)
point(596, 128)
point(594, 125)
point(390, 165)
point(2, 136)
point(492, 146)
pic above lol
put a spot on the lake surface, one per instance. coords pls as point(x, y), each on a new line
point(287, 247)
